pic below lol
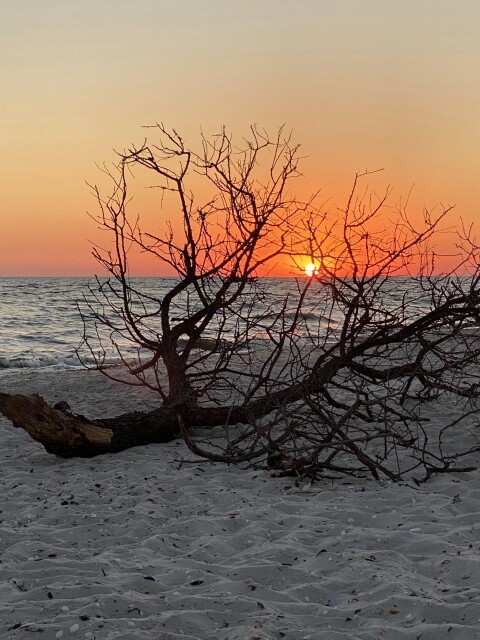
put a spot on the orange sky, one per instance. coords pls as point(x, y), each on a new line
point(363, 83)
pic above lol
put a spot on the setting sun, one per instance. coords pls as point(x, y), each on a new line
point(311, 270)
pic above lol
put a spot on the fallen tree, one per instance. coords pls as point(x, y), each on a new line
point(331, 376)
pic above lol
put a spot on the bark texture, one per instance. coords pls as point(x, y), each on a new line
point(66, 434)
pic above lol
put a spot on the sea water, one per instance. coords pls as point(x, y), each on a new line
point(41, 325)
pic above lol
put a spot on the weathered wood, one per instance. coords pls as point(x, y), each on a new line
point(66, 434)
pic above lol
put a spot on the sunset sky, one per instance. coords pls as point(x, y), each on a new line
point(362, 83)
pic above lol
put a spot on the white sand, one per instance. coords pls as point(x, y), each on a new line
point(132, 546)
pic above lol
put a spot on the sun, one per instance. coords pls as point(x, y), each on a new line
point(311, 270)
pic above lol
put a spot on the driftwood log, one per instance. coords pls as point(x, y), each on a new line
point(66, 434)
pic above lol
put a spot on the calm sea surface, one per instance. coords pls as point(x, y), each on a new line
point(40, 325)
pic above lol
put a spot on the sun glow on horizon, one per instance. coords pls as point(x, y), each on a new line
point(311, 270)
point(73, 51)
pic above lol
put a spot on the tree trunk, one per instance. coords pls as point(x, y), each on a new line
point(66, 434)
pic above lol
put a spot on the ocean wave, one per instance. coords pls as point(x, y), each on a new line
point(39, 361)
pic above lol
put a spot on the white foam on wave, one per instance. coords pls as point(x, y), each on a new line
point(38, 362)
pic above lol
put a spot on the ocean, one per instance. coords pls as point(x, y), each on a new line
point(40, 323)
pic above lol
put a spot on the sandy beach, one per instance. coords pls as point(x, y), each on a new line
point(141, 546)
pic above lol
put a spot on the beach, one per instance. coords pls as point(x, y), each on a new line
point(250, 230)
point(147, 544)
